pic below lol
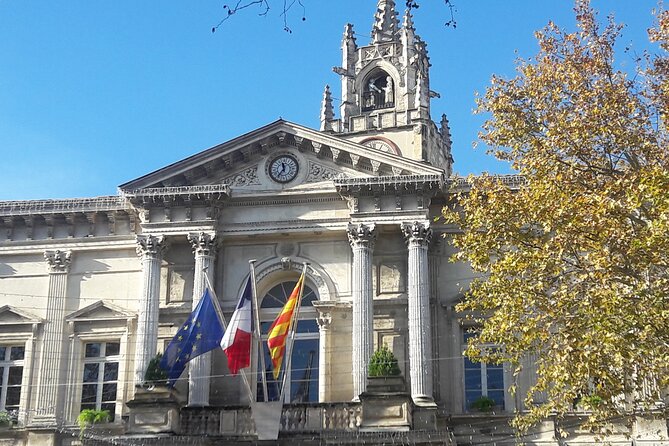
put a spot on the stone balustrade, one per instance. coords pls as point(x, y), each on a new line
point(295, 418)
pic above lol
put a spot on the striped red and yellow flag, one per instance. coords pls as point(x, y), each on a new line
point(278, 332)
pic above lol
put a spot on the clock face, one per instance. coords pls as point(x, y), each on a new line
point(380, 144)
point(283, 169)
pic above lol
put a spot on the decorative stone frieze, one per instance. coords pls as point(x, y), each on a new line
point(362, 238)
point(318, 173)
point(58, 261)
point(418, 236)
point(248, 177)
point(150, 248)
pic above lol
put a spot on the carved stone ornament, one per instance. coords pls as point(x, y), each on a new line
point(320, 173)
point(417, 232)
point(151, 245)
point(202, 243)
point(58, 261)
point(362, 235)
point(324, 321)
point(247, 177)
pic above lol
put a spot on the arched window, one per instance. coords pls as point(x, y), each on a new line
point(378, 91)
point(302, 369)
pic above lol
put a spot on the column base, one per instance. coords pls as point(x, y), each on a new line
point(423, 401)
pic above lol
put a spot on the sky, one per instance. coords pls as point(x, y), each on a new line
point(94, 94)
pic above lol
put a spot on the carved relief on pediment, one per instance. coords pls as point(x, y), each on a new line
point(318, 172)
point(247, 177)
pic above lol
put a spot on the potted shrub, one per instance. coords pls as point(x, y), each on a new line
point(483, 404)
point(6, 420)
point(89, 417)
point(383, 372)
point(155, 375)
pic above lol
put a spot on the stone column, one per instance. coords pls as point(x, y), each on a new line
point(418, 235)
point(324, 380)
point(150, 249)
point(49, 390)
point(199, 371)
point(362, 238)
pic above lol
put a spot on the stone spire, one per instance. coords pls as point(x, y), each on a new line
point(385, 22)
point(445, 131)
point(408, 20)
point(327, 112)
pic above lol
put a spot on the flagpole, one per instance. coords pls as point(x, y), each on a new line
point(221, 317)
point(291, 333)
point(256, 312)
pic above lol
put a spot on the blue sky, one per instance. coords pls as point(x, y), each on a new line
point(94, 94)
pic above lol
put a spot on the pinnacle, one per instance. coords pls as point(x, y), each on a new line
point(385, 22)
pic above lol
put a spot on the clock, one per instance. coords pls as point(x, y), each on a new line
point(283, 168)
point(382, 144)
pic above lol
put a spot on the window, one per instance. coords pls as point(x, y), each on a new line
point(302, 383)
point(11, 375)
point(100, 378)
point(483, 379)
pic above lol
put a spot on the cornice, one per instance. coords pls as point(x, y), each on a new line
point(78, 244)
point(65, 206)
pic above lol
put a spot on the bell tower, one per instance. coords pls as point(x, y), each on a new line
point(385, 92)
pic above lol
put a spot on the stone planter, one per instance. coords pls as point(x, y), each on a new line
point(154, 410)
point(386, 405)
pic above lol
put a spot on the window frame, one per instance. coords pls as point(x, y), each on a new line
point(506, 406)
point(102, 360)
point(6, 364)
point(307, 312)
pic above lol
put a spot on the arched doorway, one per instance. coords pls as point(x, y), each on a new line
point(302, 369)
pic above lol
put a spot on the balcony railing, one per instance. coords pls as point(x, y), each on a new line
point(295, 418)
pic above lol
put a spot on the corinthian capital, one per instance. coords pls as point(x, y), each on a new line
point(361, 235)
point(417, 232)
point(202, 243)
point(58, 261)
point(151, 246)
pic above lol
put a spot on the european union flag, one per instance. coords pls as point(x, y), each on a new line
point(201, 333)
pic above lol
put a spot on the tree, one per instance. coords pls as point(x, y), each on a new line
point(574, 264)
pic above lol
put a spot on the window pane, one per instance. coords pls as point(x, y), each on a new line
point(93, 350)
point(112, 349)
point(304, 370)
point(109, 392)
point(15, 374)
point(109, 407)
point(89, 393)
point(272, 385)
point(87, 406)
point(498, 396)
point(495, 379)
point(111, 371)
point(469, 364)
point(307, 326)
point(472, 379)
point(3, 352)
point(470, 397)
point(91, 372)
point(17, 353)
point(13, 396)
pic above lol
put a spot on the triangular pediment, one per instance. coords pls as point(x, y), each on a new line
point(99, 311)
point(13, 316)
point(245, 162)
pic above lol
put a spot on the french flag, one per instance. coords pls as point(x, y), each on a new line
point(236, 342)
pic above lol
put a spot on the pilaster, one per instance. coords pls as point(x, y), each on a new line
point(150, 249)
point(362, 238)
point(324, 323)
point(49, 390)
point(418, 236)
point(199, 371)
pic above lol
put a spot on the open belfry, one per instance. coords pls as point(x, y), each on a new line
point(93, 289)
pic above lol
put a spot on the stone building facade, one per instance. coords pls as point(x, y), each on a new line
point(91, 289)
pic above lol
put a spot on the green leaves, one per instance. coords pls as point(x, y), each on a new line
point(574, 265)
